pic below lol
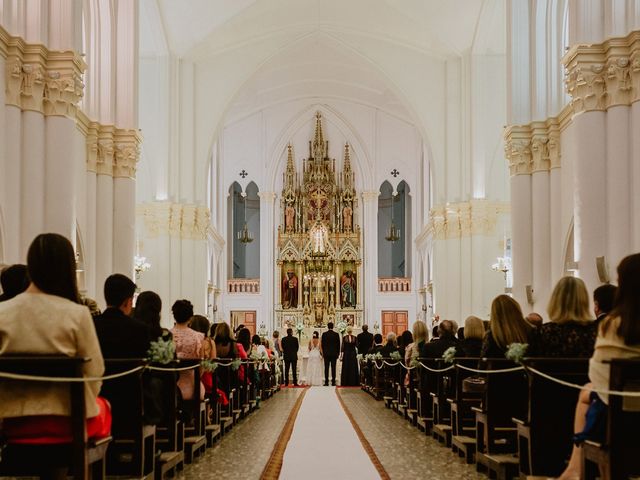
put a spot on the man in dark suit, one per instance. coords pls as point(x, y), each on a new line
point(446, 338)
point(121, 336)
point(391, 345)
point(290, 347)
point(377, 344)
point(330, 349)
point(603, 299)
point(365, 340)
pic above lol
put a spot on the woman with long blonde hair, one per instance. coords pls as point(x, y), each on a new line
point(507, 326)
point(572, 329)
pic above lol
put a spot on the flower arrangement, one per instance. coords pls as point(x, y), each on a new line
point(415, 363)
point(208, 365)
point(449, 355)
point(395, 356)
point(342, 327)
point(162, 351)
point(516, 351)
point(235, 364)
point(300, 329)
point(359, 357)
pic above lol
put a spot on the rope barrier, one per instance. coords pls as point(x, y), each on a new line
point(502, 370)
point(437, 370)
point(582, 387)
point(37, 378)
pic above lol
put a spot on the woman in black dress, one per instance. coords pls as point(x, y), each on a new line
point(349, 376)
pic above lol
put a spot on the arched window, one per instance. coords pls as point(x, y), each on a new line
point(393, 231)
point(244, 234)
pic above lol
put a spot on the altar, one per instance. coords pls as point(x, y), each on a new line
point(319, 257)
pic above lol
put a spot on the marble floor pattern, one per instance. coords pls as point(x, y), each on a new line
point(403, 450)
point(245, 450)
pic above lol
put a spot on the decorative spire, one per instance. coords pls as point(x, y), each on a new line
point(318, 142)
point(290, 167)
point(347, 158)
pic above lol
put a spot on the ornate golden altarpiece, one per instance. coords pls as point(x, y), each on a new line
point(319, 256)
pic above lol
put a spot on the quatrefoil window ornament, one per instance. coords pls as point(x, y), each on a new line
point(395, 172)
point(243, 173)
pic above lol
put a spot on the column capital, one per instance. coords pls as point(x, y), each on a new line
point(370, 195)
point(267, 196)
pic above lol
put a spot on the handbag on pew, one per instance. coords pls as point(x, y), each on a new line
point(474, 384)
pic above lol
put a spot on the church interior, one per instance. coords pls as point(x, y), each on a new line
point(320, 239)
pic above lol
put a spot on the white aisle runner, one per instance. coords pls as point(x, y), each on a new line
point(324, 445)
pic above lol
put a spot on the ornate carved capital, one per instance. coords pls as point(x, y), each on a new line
point(534, 147)
point(464, 219)
point(127, 152)
point(602, 75)
point(186, 221)
point(105, 150)
point(64, 86)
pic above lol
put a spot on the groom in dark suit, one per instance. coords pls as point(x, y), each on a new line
point(330, 349)
point(290, 347)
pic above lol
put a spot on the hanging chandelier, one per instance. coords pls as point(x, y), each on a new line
point(245, 236)
point(393, 232)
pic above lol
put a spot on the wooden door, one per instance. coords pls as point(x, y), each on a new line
point(394, 321)
point(246, 318)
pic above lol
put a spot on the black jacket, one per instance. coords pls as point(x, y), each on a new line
point(290, 347)
point(121, 336)
point(365, 341)
point(436, 348)
point(330, 343)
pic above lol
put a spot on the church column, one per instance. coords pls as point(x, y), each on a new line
point(64, 88)
point(370, 248)
point(268, 274)
point(104, 208)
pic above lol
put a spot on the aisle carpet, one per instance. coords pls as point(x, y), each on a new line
point(324, 444)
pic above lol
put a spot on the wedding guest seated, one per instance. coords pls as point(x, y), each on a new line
point(446, 339)
point(507, 326)
point(571, 331)
point(377, 344)
point(120, 335)
point(535, 319)
point(390, 346)
point(148, 311)
point(243, 337)
point(434, 333)
point(14, 280)
point(603, 299)
point(156, 403)
point(618, 337)
point(47, 319)
point(227, 347)
point(405, 340)
point(188, 345)
point(413, 349)
point(257, 348)
point(471, 344)
point(200, 323)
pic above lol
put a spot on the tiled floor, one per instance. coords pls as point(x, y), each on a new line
point(403, 450)
point(244, 452)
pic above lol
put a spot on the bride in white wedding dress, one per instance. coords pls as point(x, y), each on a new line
point(315, 363)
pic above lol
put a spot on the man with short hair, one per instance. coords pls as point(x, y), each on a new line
point(14, 280)
point(330, 349)
point(290, 346)
point(377, 344)
point(120, 335)
point(365, 340)
point(534, 319)
point(603, 299)
point(446, 339)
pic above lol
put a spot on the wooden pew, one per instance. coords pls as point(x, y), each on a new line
point(424, 399)
point(505, 397)
point(195, 441)
point(170, 432)
point(132, 451)
point(227, 380)
point(83, 455)
point(544, 433)
point(443, 388)
point(463, 420)
point(213, 429)
point(618, 456)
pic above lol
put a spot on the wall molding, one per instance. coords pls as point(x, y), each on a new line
point(179, 220)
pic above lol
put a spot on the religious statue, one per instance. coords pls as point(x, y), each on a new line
point(347, 214)
point(290, 291)
point(289, 216)
point(348, 289)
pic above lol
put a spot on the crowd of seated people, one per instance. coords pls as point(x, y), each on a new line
point(42, 313)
